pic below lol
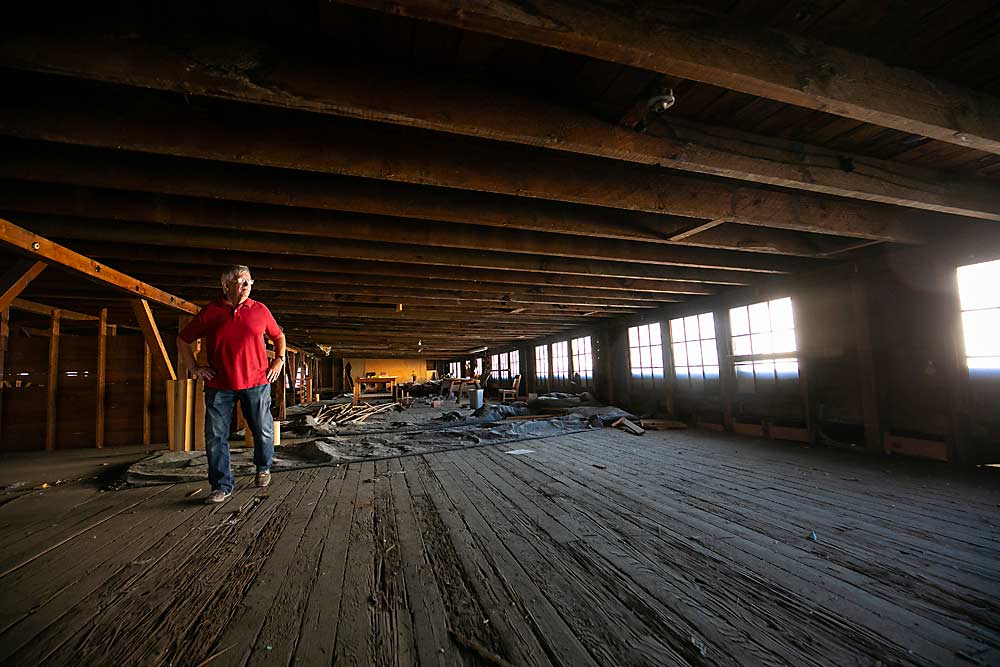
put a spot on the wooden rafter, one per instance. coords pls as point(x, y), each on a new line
point(370, 151)
point(464, 107)
point(144, 316)
point(299, 246)
point(293, 224)
point(673, 39)
point(16, 278)
point(32, 244)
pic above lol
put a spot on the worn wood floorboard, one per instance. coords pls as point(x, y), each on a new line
point(841, 590)
point(599, 548)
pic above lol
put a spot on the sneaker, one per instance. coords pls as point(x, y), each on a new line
point(263, 478)
point(217, 496)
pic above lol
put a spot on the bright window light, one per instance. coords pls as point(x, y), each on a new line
point(645, 353)
point(979, 295)
point(542, 362)
point(763, 333)
point(560, 361)
point(583, 358)
point(696, 357)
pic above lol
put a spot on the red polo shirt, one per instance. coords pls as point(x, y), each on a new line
point(234, 339)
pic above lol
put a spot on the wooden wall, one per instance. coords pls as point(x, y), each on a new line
point(24, 410)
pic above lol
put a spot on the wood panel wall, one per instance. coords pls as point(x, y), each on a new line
point(24, 413)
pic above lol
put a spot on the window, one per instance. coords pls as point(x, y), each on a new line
point(455, 369)
point(560, 361)
point(645, 353)
point(478, 370)
point(980, 302)
point(542, 363)
point(763, 335)
point(515, 363)
point(495, 364)
point(583, 358)
point(696, 357)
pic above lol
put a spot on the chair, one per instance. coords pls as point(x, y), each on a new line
point(510, 394)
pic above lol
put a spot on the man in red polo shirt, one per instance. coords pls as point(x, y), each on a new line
point(238, 370)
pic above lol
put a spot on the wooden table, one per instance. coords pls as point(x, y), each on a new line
point(388, 388)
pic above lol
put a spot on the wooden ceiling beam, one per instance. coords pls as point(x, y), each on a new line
point(189, 214)
point(674, 39)
point(276, 138)
point(33, 245)
point(675, 279)
point(166, 274)
point(470, 108)
point(70, 229)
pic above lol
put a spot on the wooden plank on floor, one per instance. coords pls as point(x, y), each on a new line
point(76, 577)
point(430, 621)
point(510, 598)
point(106, 508)
point(251, 636)
point(356, 635)
point(198, 586)
point(321, 620)
point(584, 611)
point(823, 590)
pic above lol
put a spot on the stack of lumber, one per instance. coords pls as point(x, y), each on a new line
point(345, 413)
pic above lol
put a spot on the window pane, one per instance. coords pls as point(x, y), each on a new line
point(634, 361)
point(781, 314)
point(633, 336)
point(644, 357)
point(691, 327)
point(712, 372)
point(765, 367)
point(654, 332)
point(984, 363)
point(706, 325)
point(744, 377)
point(760, 343)
point(786, 368)
point(760, 320)
point(680, 354)
point(681, 372)
point(656, 353)
point(644, 335)
point(977, 285)
point(741, 345)
point(982, 332)
point(739, 321)
point(694, 353)
point(709, 355)
point(677, 331)
point(784, 341)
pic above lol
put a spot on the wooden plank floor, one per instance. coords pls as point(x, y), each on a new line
point(601, 548)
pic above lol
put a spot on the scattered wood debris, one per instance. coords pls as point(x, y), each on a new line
point(661, 424)
point(629, 426)
point(345, 413)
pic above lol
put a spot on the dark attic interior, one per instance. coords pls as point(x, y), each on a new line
point(587, 333)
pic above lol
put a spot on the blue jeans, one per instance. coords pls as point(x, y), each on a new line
point(219, 404)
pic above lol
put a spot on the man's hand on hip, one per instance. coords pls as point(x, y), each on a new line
point(202, 373)
point(274, 369)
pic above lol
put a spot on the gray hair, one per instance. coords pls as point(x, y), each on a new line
point(232, 272)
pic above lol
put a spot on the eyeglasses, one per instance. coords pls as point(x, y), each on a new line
point(243, 281)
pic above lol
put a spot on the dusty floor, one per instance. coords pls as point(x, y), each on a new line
point(597, 548)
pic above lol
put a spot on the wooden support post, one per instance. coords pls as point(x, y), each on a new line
point(669, 377)
point(53, 382)
point(144, 316)
point(4, 340)
point(147, 396)
point(280, 395)
point(866, 367)
point(727, 370)
point(102, 375)
point(182, 321)
point(16, 278)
